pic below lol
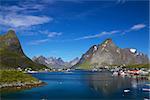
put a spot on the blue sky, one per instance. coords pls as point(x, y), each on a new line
point(68, 28)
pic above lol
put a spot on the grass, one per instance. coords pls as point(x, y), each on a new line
point(13, 76)
point(139, 66)
point(11, 54)
point(13, 60)
point(85, 65)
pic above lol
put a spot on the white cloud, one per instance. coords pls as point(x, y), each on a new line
point(19, 15)
point(138, 27)
point(13, 8)
point(23, 7)
point(15, 20)
point(97, 35)
point(135, 27)
point(111, 32)
point(37, 42)
point(51, 34)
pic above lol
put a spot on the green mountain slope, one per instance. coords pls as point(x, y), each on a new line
point(12, 55)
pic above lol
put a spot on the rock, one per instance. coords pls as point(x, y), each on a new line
point(108, 54)
point(53, 62)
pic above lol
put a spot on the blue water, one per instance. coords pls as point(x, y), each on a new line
point(81, 85)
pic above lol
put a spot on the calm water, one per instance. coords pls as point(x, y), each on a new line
point(81, 85)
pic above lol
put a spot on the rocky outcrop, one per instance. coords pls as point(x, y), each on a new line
point(108, 53)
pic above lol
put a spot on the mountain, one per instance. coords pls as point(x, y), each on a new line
point(12, 55)
point(108, 53)
point(74, 61)
point(53, 62)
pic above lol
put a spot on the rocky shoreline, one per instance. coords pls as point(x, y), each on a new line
point(13, 79)
point(19, 85)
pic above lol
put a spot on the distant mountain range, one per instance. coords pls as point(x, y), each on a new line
point(105, 54)
point(53, 62)
point(108, 54)
point(12, 55)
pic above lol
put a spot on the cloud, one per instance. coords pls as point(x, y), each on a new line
point(135, 27)
point(51, 34)
point(97, 35)
point(138, 27)
point(15, 20)
point(21, 6)
point(37, 42)
point(22, 9)
point(21, 14)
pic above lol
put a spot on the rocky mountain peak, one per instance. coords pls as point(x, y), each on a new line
point(10, 41)
point(107, 53)
point(11, 31)
point(53, 62)
point(10, 35)
point(109, 40)
point(108, 43)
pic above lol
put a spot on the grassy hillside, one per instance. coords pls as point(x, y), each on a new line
point(12, 76)
point(12, 55)
point(13, 60)
point(85, 65)
point(139, 66)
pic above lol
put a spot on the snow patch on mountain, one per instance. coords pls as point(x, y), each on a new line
point(133, 50)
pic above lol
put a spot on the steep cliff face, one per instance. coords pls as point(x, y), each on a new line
point(108, 53)
point(9, 41)
point(12, 55)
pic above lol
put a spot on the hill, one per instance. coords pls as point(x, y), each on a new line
point(12, 55)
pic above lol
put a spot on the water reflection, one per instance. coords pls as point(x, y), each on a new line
point(81, 85)
point(107, 84)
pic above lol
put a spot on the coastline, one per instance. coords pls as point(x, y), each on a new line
point(19, 86)
point(13, 79)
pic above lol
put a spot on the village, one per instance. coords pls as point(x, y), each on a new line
point(115, 70)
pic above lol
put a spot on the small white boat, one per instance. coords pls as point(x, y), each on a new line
point(115, 74)
point(94, 70)
point(145, 89)
point(146, 99)
point(31, 71)
point(122, 74)
point(147, 84)
point(126, 91)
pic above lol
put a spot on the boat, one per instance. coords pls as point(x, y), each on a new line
point(146, 90)
point(115, 74)
point(126, 91)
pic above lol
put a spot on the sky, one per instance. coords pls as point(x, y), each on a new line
point(68, 28)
